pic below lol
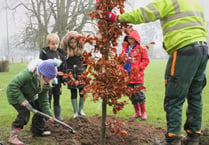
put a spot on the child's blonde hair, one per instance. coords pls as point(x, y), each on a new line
point(52, 37)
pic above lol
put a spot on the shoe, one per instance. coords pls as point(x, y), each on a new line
point(13, 138)
point(43, 134)
point(187, 140)
point(75, 115)
point(46, 133)
point(176, 140)
point(82, 113)
point(164, 142)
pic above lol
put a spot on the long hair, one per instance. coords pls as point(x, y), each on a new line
point(74, 51)
point(65, 44)
point(42, 82)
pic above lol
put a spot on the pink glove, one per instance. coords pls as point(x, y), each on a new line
point(111, 16)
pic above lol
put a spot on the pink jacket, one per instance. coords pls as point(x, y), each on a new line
point(140, 58)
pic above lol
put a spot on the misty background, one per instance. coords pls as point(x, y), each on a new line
point(25, 24)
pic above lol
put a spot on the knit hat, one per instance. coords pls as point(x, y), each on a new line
point(48, 69)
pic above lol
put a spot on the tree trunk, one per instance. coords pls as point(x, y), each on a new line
point(103, 126)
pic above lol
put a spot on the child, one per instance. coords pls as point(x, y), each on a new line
point(74, 49)
point(50, 52)
point(31, 86)
point(138, 61)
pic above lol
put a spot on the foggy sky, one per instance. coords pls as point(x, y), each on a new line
point(17, 23)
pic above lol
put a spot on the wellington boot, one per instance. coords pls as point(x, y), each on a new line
point(136, 109)
point(13, 139)
point(75, 115)
point(81, 104)
point(75, 107)
point(187, 140)
point(139, 112)
point(143, 110)
point(81, 112)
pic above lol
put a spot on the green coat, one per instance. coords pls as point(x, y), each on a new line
point(182, 21)
point(26, 86)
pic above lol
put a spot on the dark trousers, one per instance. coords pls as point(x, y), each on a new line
point(139, 97)
point(55, 93)
point(74, 93)
point(185, 79)
point(24, 116)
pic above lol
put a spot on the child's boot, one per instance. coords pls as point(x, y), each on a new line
point(139, 112)
point(136, 108)
point(13, 138)
point(143, 111)
point(75, 107)
point(81, 104)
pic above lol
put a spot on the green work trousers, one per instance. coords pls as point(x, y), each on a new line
point(184, 80)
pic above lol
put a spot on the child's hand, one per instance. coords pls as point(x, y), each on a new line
point(24, 103)
point(51, 120)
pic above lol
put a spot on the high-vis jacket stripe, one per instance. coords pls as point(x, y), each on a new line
point(155, 11)
point(180, 26)
point(176, 6)
point(181, 15)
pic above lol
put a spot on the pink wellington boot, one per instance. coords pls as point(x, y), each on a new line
point(139, 112)
point(13, 138)
point(143, 111)
point(136, 108)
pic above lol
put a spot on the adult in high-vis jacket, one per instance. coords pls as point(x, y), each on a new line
point(184, 32)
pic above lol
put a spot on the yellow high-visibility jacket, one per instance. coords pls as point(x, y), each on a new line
point(182, 21)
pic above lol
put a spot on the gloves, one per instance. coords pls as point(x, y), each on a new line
point(111, 16)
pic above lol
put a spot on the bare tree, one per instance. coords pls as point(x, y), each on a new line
point(57, 16)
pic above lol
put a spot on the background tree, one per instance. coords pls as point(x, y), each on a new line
point(50, 16)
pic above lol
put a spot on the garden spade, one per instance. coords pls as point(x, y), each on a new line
point(30, 108)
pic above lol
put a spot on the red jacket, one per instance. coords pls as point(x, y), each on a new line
point(140, 58)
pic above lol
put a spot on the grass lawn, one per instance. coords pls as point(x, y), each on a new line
point(154, 83)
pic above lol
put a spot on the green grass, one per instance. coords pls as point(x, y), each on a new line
point(154, 83)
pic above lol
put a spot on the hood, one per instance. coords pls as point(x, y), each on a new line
point(65, 39)
point(34, 64)
point(133, 34)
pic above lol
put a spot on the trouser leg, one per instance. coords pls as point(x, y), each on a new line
point(81, 103)
point(57, 107)
point(22, 117)
point(74, 102)
point(179, 79)
point(38, 122)
point(194, 99)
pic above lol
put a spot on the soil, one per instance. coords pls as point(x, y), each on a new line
point(88, 132)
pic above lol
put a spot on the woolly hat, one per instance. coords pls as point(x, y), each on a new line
point(48, 69)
